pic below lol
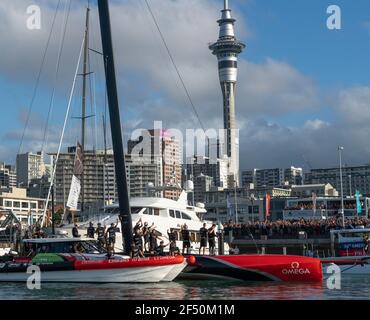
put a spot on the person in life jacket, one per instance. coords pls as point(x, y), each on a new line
point(152, 239)
point(100, 231)
point(160, 248)
point(212, 239)
point(145, 233)
point(174, 250)
point(203, 238)
point(91, 231)
point(138, 239)
point(185, 239)
point(110, 234)
point(75, 233)
point(135, 252)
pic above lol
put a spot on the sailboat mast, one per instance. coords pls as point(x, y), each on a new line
point(83, 114)
point(115, 123)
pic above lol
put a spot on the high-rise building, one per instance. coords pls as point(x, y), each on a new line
point(160, 143)
point(202, 185)
point(29, 166)
point(100, 179)
point(215, 168)
point(8, 176)
point(227, 48)
point(262, 178)
point(354, 179)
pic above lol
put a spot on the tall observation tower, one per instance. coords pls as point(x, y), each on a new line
point(227, 48)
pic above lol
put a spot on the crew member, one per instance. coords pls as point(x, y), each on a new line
point(138, 240)
point(173, 248)
point(185, 239)
point(135, 252)
point(145, 233)
point(212, 239)
point(75, 233)
point(153, 240)
point(111, 235)
point(160, 248)
point(203, 238)
point(91, 231)
point(100, 231)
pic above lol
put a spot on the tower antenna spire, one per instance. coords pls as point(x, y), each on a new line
point(226, 49)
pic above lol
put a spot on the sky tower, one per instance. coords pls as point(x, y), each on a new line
point(227, 48)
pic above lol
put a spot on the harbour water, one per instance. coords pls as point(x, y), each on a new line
point(353, 288)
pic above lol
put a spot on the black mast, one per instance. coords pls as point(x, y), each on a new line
point(83, 116)
point(115, 123)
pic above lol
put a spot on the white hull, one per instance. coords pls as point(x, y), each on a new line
point(351, 269)
point(122, 275)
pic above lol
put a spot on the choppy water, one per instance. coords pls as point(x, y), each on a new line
point(353, 287)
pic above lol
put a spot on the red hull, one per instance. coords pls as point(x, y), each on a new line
point(260, 267)
point(130, 263)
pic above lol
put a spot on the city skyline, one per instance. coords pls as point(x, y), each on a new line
point(302, 90)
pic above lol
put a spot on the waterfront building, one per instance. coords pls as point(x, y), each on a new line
point(27, 209)
point(262, 178)
point(320, 190)
point(324, 208)
point(354, 179)
point(29, 166)
point(8, 175)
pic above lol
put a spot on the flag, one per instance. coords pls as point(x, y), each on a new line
point(74, 193)
point(268, 205)
point(78, 166)
point(358, 203)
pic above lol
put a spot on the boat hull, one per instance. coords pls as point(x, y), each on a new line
point(256, 268)
point(131, 270)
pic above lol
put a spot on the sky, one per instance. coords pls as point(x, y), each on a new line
point(302, 89)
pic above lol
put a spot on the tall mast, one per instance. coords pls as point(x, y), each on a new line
point(83, 115)
point(115, 123)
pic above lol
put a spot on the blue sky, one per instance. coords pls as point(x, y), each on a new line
point(325, 73)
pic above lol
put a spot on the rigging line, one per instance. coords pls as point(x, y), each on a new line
point(38, 78)
point(57, 67)
point(175, 65)
point(63, 130)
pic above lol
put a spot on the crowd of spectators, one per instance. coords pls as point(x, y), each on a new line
point(321, 206)
point(291, 228)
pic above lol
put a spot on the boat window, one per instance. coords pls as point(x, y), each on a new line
point(178, 214)
point(185, 216)
point(172, 214)
point(156, 211)
point(136, 210)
